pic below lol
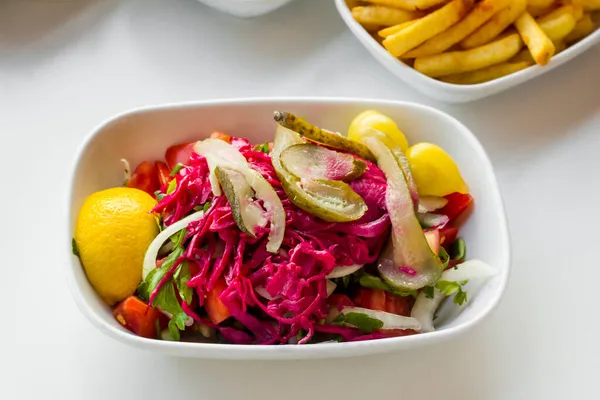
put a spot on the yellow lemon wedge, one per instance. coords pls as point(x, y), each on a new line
point(114, 228)
point(434, 171)
point(376, 120)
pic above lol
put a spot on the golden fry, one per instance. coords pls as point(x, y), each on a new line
point(573, 9)
point(522, 56)
point(427, 27)
point(481, 13)
point(496, 25)
point(560, 46)
point(408, 5)
point(395, 29)
point(558, 27)
point(584, 27)
point(540, 45)
point(540, 3)
point(540, 11)
point(469, 60)
point(588, 5)
point(383, 16)
point(486, 74)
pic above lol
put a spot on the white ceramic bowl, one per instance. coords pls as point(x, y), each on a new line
point(145, 134)
point(449, 92)
point(245, 8)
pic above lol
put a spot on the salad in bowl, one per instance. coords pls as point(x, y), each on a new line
point(311, 237)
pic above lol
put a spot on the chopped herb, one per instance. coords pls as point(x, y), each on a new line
point(74, 248)
point(360, 321)
point(300, 335)
point(159, 195)
point(176, 169)
point(458, 249)
point(449, 288)
point(172, 186)
point(428, 290)
point(444, 257)
point(181, 278)
point(262, 147)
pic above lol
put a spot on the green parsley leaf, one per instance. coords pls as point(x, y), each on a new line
point(74, 247)
point(300, 334)
point(428, 290)
point(458, 249)
point(159, 195)
point(360, 321)
point(176, 169)
point(262, 147)
point(172, 186)
point(444, 257)
point(449, 288)
point(181, 278)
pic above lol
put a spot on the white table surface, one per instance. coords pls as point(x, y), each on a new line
point(66, 65)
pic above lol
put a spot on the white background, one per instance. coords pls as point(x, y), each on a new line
point(66, 65)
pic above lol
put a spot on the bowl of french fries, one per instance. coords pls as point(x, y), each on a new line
point(464, 50)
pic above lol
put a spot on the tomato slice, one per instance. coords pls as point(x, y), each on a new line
point(179, 154)
point(220, 135)
point(164, 173)
point(457, 204)
point(145, 178)
point(339, 301)
point(380, 300)
point(448, 235)
point(139, 317)
point(216, 310)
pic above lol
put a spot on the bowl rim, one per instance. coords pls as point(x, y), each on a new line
point(520, 76)
point(313, 351)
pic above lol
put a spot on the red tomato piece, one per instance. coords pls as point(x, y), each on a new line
point(139, 317)
point(220, 135)
point(216, 310)
point(457, 204)
point(373, 299)
point(339, 301)
point(448, 235)
point(144, 178)
point(179, 154)
point(380, 300)
point(164, 173)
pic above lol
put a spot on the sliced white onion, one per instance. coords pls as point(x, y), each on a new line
point(342, 270)
point(152, 252)
point(431, 203)
point(476, 272)
point(330, 287)
point(431, 220)
point(220, 153)
point(261, 291)
point(390, 321)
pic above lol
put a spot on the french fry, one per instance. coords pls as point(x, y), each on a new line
point(588, 5)
point(409, 5)
point(584, 27)
point(540, 11)
point(540, 45)
point(498, 23)
point(427, 27)
point(395, 29)
point(383, 16)
point(560, 46)
point(486, 74)
point(573, 9)
point(523, 55)
point(540, 3)
point(480, 14)
point(469, 60)
point(559, 27)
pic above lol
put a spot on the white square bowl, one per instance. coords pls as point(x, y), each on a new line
point(448, 92)
point(145, 134)
point(245, 8)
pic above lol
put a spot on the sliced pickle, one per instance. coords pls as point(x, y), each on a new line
point(315, 134)
point(402, 161)
point(247, 214)
point(332, 201)
point(407, 262)
point(311, 161)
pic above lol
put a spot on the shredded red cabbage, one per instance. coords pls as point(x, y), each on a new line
point(295, 277)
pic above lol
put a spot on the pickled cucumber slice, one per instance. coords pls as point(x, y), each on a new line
point(315, 134)
point(332, 201)
point(407, 262)
point(311, 161)
point(247, 214)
